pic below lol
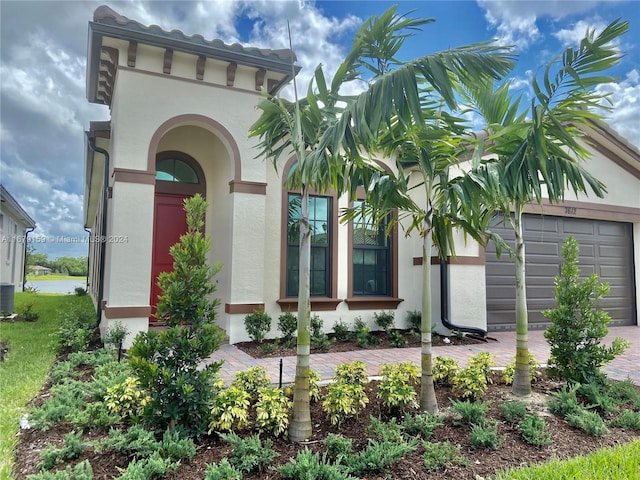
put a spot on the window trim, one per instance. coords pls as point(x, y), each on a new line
point(322, 303)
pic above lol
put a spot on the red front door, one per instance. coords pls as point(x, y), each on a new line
point(169, 223)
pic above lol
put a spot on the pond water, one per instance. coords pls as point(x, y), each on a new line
point(57, 286)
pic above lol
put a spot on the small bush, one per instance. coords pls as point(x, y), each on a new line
point(440, 455)
point(175, 447)
point(384, 320)
point(249, 454)
point(341, 331)
point(27, 312)
point(354, 372)
point(153, 466)
point(76, 329)
point(362, 333)
point(288, 324)
point(115, 335)
point(627, 419)
point(272, 411)
point(397, 387)
point(230, 410)
point(513, 411)
point(597, 397)
point(485, 437)
point(257, 325)
point(251, 380)
point(311, 466)
point(138, 442)
point(588, 421)
point(578, 326)
point(222, 471)
point(82, 471)
point(470, 383)
point(565, 402)
point(73, 447)
point(444, 370)
point(378, 457)
point(534, 431)
point(482, 361)
point(414, 317)
point(390, 431)
point(397, 339)
point(338, 446)
point(343, 401)
point(127, 399)
point(472, 413)
point(319, 339)
point(421, 424)
point(624, 392)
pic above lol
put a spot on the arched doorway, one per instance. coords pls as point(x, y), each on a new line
point(178, 176)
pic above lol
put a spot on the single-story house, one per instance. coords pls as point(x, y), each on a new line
point(39, 270)
point(15, 224)
point(181, 107)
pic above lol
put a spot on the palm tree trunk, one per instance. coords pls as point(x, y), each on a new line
point(521, 379)
point(428, 400)
point(300, 427)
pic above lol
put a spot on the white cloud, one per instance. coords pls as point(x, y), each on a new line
point(625, 99)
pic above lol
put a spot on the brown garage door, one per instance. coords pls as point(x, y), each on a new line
point(606, 248)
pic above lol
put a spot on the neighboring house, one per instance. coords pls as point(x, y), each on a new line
point(39, 270)
point(15, 224)
point(181, 108)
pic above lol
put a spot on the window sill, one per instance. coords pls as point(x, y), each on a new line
point(318, 304)
point(373, 303)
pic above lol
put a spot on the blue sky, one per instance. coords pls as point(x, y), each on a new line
point(43, 109)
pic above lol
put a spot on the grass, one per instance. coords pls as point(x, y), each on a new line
point(36, 278)
point(32, 351)
point(618, 463)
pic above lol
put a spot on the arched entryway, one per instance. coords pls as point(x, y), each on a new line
point(178, 176)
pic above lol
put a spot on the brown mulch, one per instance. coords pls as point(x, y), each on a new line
point(275, 349)
point(566, 442)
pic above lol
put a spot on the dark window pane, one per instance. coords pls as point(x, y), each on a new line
point(174, 170)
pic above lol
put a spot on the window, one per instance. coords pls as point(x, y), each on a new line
point(175, 170)
point(371, 257)
point(320, 225)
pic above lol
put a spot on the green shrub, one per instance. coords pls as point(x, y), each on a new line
point(343, 401)
point(169, 364)
point(470, 383)
point(176, 447)
point(82, 471)
point(150, 467)
point(421, 424)
point(624, 392)
point(397, 339)
point(288, 325)
point(73, 447)
point(534, 431)
point(65, 401)
point(76, 329)
point(397, 387)
point(311, 466)
point(414, 318)
point(596, 395)
point(338, 447)
point(341, 331)
point(565, 402)
point(627, 419)
point(354, 372)
point(390, 431)
point(230, 410)
point(251, 380)
point(362, 333)
point(444, 370)
point(384, 320)
point(510, 370)
point(127, 399)
point(513, 411)
point(578, 326)
point(378, 457)
point(222, 471)
point(440, 455)
point(257, 325)
point(319, 339)
point(249, 454)
point(485, 436)
point(115, 337)
point(483, 361)
point(137, 442)
point(95, 415)
point(588, 421)
point(472, 413)
point(272, 411)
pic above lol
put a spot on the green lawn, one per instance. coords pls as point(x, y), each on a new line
point(32, 351)
point(36, 278)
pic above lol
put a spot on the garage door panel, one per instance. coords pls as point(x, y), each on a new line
point(606, 248)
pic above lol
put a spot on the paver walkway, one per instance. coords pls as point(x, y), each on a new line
point(503, 348)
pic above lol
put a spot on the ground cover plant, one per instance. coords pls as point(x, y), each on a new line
point(467, 438)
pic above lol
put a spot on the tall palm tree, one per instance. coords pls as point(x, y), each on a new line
point(537, 152)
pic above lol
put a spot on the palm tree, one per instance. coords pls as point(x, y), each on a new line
point(537, 151)
point(286, 127)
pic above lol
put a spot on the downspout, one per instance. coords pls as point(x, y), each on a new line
point(445, 300)
point(27, 231)
point(105, 198)
point(88, 230)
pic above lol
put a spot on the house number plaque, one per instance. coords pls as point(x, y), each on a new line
point(570, 210)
